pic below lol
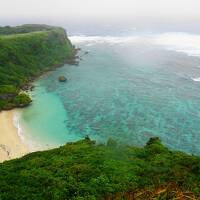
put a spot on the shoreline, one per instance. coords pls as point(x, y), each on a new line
point(11, 143)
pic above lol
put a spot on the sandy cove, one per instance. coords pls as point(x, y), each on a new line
point(11, 145)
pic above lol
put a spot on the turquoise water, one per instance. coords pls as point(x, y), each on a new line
point(128, 91)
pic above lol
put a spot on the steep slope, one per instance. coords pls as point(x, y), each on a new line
point(26, 55)
point(85, 170)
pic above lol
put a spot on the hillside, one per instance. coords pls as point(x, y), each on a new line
point(26, 28)
point(85, 170)
point(25, 52)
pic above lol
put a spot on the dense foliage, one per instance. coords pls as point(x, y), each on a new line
point(26, 28)
point(25, 55)
point(21, 99)
point(85, 170)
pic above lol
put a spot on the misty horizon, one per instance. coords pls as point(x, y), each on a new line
point(105, 17)
point(102, 27)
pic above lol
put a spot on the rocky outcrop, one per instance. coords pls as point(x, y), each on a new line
point(62, 78)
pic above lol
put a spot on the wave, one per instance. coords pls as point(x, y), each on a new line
point(196, 79)
point(16, 122)
point(90, 40)
point(174, 41)
point(180, 42)
point(32, 145)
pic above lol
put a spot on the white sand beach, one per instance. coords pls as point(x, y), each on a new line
point(11, 145)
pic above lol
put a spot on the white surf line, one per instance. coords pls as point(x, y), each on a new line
point(196, 79)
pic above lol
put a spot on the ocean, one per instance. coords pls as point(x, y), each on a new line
point(128, 88)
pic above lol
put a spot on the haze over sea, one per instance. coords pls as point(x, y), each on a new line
point(128, 87)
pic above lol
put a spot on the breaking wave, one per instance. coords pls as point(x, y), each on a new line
point(196, 79)
point(16, 122)
point(174, 41)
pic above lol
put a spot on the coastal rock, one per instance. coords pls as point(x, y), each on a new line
point(7, 96)
point(62, 79)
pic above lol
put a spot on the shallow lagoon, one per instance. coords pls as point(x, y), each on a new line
point(129, 90)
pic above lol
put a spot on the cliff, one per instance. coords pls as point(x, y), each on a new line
point(25, 52)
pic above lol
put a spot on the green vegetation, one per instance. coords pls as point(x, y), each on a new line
point(85, 170)
point(82, 170)
point(25, 52)
point(26, 28)
point(11, 89)
point(21, 99)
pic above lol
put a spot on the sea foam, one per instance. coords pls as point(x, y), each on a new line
point(22, 133)
point(91, 40)
point(174, 41)
point(180, 42)
point(16, 122)
point(196, 79)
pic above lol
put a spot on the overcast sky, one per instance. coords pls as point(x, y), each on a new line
point(78, 9)
point(96, 15)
